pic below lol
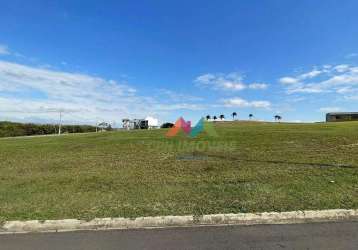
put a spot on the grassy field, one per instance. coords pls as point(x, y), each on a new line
point(250, 167)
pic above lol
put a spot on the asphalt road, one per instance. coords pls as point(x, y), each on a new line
point(340, 235)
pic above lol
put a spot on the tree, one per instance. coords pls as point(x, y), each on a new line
point(278, 118)
point(214, 118)
point(250, 116)
point(234, 114)
point(208, 117)
point(222, 117)
point(167, 125)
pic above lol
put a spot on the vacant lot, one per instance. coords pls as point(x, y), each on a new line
point(250, 167)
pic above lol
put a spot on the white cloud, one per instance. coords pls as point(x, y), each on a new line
point(229, 82)
point(309, 88)
point(329, 109)
point(172, 96)
point(347, 79)
point(4, 50)
point(179, 106)
point(340, 79)
point(232, 81)
point(310, 74)
point(242, 103)
point(342, 68)
point(346, 90)
point(232, 86)
point(29, 91)
point(258, 86)
point(288, 80)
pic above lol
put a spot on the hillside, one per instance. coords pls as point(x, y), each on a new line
point(250, 167)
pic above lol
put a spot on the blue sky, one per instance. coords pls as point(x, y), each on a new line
point(118, 59)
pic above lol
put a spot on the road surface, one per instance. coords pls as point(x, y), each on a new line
point(339, 235)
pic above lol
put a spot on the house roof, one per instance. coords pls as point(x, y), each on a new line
point(343, 113)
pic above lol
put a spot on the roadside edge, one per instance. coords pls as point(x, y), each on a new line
point(292, 217)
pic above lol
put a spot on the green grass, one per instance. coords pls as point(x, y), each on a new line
point(250, 167)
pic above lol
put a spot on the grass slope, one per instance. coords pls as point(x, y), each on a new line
point(250, 167)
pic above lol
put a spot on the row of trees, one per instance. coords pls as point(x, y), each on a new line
point(208, 117)
point(8, 129)
point(222, 117)
point(234, 115)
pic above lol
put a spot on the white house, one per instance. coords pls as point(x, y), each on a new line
point(147, 123)
point(152, 122)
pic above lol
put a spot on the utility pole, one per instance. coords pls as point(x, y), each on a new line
point(59, 126)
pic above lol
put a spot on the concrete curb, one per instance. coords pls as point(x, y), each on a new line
point(179, 221)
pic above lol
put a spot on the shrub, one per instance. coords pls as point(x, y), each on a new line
point(167, 125)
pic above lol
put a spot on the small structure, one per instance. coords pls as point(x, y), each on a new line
point(103, 126)
point(341, 116)
point(135, 124)
point(153, 123)
point(127, 124)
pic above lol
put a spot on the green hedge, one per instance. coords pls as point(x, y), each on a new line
point(8, 129)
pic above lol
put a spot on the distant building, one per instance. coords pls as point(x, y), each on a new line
point(152, 122)
point(103, 126)
point(135, 124)
point(341, 116)
point(127, 124)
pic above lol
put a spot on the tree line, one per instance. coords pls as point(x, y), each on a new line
point(222, 117)
point(234, 115)
point(8, 129)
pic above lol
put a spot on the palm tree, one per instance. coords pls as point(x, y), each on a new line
point(208, 117)
point(234, 114)
point(278, 118)
point(222, 117)
point(250, 116)
point(214, 118)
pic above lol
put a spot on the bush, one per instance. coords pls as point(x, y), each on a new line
point(167, 125)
